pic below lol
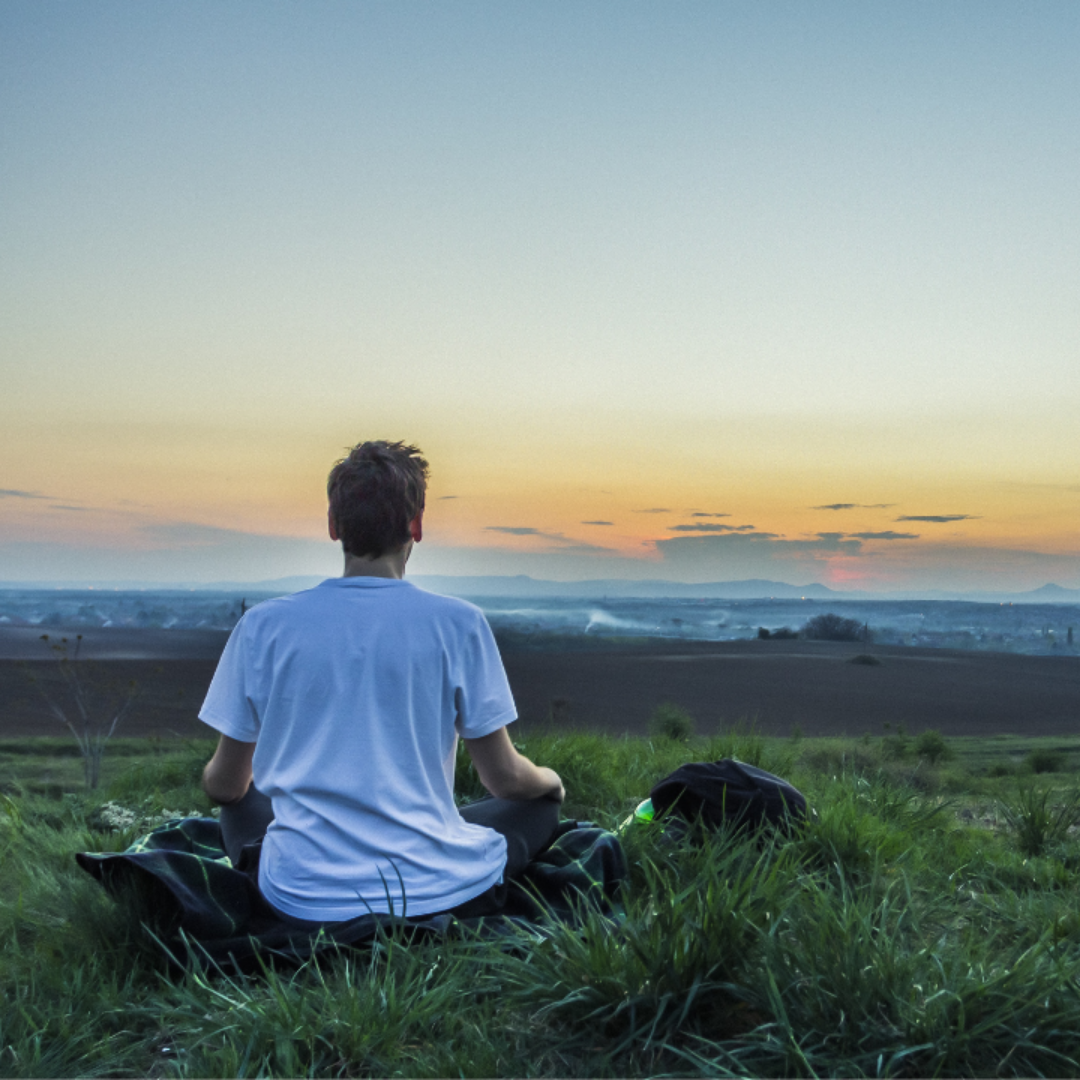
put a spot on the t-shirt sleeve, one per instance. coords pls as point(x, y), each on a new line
point(483, 697)
point(227, 707)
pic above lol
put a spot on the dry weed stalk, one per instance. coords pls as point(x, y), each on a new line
point(92, 727)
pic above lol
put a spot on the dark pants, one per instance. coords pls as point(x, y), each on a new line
point(528, 825)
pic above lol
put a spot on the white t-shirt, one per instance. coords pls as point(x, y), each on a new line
point(355, 693)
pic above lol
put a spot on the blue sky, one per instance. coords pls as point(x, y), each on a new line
point(762, 256)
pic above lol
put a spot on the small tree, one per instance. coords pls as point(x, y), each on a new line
point(932, 746)
point(93, 712)
point(671, 722)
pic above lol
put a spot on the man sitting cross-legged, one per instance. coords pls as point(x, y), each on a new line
point(339, 710)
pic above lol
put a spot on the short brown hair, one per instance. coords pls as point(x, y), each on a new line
point(374, 494)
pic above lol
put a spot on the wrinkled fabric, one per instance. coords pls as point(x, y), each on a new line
point(180, 883)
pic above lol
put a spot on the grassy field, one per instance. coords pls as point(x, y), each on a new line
point(924, 923)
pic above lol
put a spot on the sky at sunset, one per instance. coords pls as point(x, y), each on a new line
point(695, 291)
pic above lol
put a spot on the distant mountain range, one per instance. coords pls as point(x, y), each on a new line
point(751, 589)
point(521, 585)
point(617, 588)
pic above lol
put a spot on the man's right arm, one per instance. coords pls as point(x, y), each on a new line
point(508, 774)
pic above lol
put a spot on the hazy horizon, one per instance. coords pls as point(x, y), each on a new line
point(193, 622)
point(523, 586)
point(703, 292)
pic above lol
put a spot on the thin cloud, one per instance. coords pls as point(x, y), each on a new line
point(598, 523)
point(751, 553)
point(939, 519)
point(854, 506)
point(442, 498)
point(887, 535)
point(698, 513)
point(710, 526)
point(566, 545)
point(565, 542)
point(654, 510)
point(727, 539)
point(13, 493)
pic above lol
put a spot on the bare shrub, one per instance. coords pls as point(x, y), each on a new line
point(1036, 822)
point(895, 744)
point(1045, 761)
point(831, 627)
point(91, 706)
point(671, 722)
point(932, 746)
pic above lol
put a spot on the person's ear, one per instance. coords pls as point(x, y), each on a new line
point(331, 525)
point(416, 528)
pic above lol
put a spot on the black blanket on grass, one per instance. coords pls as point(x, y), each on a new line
point(183, 887)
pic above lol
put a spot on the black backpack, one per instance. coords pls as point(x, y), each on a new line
point(729, 792)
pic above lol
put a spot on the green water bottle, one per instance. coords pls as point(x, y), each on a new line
point(641, 816)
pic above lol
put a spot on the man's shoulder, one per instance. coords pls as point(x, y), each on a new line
point(331, 600)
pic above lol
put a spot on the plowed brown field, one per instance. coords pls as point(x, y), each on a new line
point(776, 685)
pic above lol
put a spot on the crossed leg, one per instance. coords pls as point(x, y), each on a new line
point(528, 825)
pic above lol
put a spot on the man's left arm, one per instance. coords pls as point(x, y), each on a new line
point(227, 775)
point(509, 774)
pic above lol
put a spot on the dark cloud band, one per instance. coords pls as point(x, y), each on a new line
point(711, 526)
point(888, 534)
point(565, 545)
point(939, 519)
point(854, 506)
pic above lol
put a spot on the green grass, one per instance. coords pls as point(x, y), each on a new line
point(924, 923)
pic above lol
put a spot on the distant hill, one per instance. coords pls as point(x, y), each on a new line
point(616, 588)
point(1049, 594)
point(1045, 594)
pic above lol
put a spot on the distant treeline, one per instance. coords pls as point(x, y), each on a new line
point(827, 627)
